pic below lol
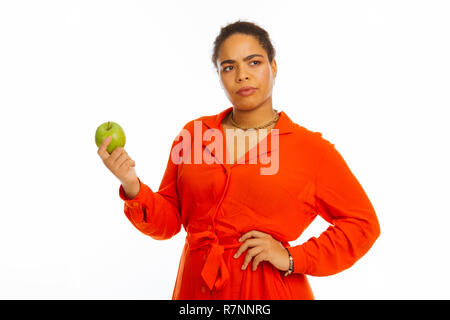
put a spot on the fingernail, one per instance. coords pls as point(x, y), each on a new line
point(240, 239)
point(242, 268)
point(235, 255)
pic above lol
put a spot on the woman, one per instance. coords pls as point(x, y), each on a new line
point(239, 219)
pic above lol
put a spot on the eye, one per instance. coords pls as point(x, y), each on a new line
point(225, 69)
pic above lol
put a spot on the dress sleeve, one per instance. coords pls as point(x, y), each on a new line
point(156, 214)
point(342, 202)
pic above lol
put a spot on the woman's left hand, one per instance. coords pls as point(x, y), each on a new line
point(263, 248)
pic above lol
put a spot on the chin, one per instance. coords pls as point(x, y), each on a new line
point(246, 104)
point(244, 107)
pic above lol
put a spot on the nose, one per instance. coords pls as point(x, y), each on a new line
point(241, 75)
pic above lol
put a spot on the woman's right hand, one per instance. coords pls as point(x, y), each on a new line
point(119, 163)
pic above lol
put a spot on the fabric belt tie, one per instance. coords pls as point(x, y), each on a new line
point(214, 272)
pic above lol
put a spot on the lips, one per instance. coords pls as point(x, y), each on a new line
point(246, 91)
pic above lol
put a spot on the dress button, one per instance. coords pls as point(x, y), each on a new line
point(204, 257)
point(135, 204)
point(209, 227)
point(203, 289)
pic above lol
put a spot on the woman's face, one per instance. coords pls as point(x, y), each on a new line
point(238, 67)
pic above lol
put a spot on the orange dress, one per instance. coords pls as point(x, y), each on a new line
point(216, 202)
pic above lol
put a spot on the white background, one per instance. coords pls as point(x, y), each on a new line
point(372, 76)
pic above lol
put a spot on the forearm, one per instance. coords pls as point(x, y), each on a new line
point(131, 189)
point(153, 213)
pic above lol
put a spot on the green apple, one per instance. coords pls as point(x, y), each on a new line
point(112, 129)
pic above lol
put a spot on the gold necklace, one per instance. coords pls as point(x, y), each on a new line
point(277, 116)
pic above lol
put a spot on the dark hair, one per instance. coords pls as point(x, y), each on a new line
point(243, 27)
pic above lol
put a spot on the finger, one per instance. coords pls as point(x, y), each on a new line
point(115, 154)
point(250, 254)
point(245, 245)
point(127, 163)
point(257, 259)
point(120, 159)
point(102, 148)
point(253, 233)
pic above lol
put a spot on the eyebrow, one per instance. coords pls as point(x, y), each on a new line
point(245, 59)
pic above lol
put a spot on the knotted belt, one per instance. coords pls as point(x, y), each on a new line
point(215, 271)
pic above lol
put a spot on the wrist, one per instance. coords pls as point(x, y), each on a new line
point(291, 264)
point(131, 188)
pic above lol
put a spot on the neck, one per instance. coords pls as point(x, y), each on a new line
point(253, 117)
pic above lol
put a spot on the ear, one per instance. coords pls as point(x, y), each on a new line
point(273, 65)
